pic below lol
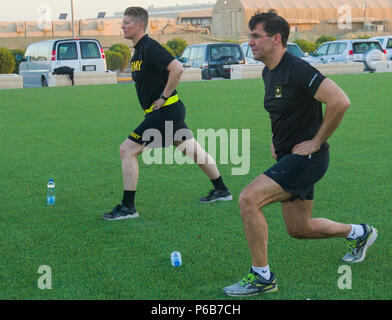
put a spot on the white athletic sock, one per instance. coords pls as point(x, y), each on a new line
point(356, 232)
point(263, 271)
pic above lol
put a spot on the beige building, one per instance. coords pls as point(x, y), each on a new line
point(230, 17)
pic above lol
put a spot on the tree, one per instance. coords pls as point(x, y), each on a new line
point(171, 51)
point(178, 46)
point(323, 39)
point(7, 62)
point(306, 46)
point(114, 60)
point(125, 53)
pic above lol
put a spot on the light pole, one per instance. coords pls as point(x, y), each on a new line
point(364, 12)
point(73, 19)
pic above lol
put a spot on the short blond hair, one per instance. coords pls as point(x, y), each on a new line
point(139, 13)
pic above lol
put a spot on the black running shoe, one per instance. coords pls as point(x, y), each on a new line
point(217, 195)
point(120, 212)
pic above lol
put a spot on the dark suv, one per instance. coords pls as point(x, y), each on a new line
point(214, 59)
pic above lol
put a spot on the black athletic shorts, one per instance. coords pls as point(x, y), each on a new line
point(298, 174)
point(162, 127)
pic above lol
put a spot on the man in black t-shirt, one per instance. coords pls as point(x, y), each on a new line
point(156, 74)
point(294, 93)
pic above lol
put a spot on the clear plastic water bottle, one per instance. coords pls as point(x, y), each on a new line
point(51, 198)
point(175, 258)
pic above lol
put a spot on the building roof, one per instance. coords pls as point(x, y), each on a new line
point(314, 4)
point(177, 10)
point(315, 9)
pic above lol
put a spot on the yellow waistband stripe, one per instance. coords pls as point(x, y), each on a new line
point(168, 102)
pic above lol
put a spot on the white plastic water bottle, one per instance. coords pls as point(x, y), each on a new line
point(50, 197)
point(175, 258)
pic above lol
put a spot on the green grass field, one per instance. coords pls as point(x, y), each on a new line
point(73, 135)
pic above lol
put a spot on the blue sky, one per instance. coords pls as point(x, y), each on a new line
point(28, 10)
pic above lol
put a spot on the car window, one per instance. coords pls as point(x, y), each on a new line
point(322, 51)
point(362, 47)
point(249, 53)
point(89, 50)
point(44, 52)
point(192, 55)
point(29, 52)
point(333, 48)
point(222, 52)
point(186, 53)
point(34, 53)
point(295, 50)
point(199, 53)
point(342, 47)
point(381, 40)
point(67, 51)
point(389, 44)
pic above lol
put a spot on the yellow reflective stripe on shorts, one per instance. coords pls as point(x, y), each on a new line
point(168, 102)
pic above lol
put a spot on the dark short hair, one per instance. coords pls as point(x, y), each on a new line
point(139, 13)
point(272, 24)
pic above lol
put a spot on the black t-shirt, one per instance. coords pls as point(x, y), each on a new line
point(295, 115)
point(148, 66)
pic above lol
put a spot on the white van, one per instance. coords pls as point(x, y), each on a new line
point(42, 58)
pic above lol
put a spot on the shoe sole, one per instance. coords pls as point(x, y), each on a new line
point(373, 238)
point(228, 198)
point(133, 216)
point(251, 294)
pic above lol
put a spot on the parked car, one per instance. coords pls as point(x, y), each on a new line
point(214, 59)
point(249, 54)
point(42, 58)
point(346, 50)
point(292, 47)
point(386, 43)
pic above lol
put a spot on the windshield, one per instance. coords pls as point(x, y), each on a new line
point(295, 50)
point(222, 52)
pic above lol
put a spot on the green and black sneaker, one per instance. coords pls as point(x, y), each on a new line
point(359, 246)
point(253, 284)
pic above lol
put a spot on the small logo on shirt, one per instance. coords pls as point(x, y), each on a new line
point(314, 78)
point(136, 65)
point(278, 92)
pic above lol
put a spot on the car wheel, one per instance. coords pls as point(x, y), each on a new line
point(371, 57)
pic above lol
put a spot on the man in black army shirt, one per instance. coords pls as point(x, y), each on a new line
point(294, 91)
point(156, 74)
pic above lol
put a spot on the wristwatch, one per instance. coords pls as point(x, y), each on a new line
point(163, 97)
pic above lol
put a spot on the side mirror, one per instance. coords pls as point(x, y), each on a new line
point(20, 58)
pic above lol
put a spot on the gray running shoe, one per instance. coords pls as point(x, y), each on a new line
point(252, 285)
point(120, 212)
point(217, 195)
point(359, 246)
